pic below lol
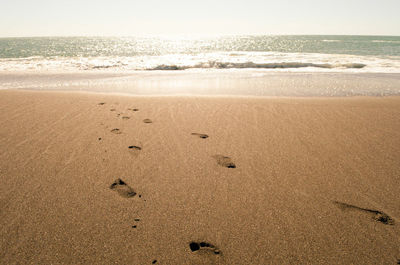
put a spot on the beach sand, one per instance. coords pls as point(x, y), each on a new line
point(104, 179)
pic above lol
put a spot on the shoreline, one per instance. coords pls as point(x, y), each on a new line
point(210, 83)
point(276, 181)
point(192, 96)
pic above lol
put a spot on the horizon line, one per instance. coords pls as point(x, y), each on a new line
point(189, 35)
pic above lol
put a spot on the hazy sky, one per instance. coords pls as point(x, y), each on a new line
point(131, 17)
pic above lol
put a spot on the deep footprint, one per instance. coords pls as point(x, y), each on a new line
point(102, 103)
point(195, 246)
point(116, 131)
point(147, 121)
point(224, 161)
point(203, 136)
point(123, 189)
point(376, 215)
point(134, 109)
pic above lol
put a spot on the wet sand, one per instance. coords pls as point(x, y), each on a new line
point(102, 179)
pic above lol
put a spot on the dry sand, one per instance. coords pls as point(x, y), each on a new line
point(277, 180)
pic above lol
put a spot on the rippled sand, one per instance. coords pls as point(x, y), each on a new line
point(198, 180)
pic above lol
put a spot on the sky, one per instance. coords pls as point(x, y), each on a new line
point(23, 18)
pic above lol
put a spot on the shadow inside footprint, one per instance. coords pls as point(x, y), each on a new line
point(102, 103)
point(376, 215)
point(224, 161)
point(195, 246)
point(147, 121)
point(135, 147)
point(123, 189)
point(134, 109)
point(125, 117)
point(116, 131)
point(203, 136)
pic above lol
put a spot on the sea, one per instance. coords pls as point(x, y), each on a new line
point(225, 61)
point(311, 53)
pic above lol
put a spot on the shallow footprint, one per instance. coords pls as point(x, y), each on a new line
point(123, 189)
point(196, 246)
point(134, 149)
point(224, 161)
point(125, 117)
point(203, 136)
point(101, 103)
point(134, 109)
point(376, 215)
point(147, 121)
point(116, 131)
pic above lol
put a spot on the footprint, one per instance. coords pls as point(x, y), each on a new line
point(125, 117)
point(376, 215)
point(195, 246)
point(147, 121)
point(224, 161)
point(123, 189)
point(112, 109)
point(101, 103)
point(134, 109)
point(134, 149)
point(154, 261)
point(116, 131)
point(203, 136)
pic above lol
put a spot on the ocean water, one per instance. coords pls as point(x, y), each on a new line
point(364, 54)
point(229, 65)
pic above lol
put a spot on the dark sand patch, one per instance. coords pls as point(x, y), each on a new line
point(375, 215)
point(224, 161)
point(123, 189)
point(201, 135)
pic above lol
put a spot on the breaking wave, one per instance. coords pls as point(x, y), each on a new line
point(283, 65)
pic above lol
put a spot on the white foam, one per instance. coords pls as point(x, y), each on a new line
point(268, 61)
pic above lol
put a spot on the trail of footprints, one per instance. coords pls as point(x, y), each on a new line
point(125, 191)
